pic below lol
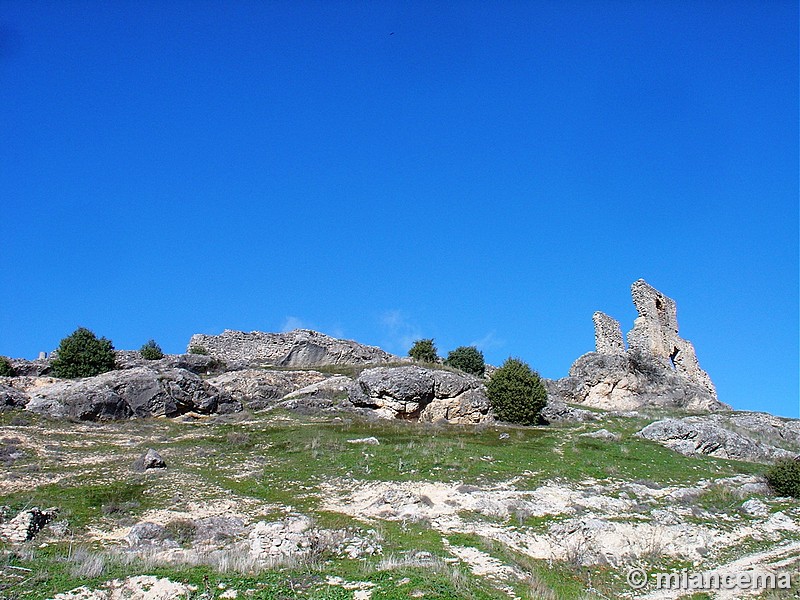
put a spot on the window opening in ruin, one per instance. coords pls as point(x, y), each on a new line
point(672, 358)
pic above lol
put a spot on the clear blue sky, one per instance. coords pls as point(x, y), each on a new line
point(475, 172)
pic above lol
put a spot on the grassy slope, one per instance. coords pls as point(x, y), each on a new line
point(280, 460)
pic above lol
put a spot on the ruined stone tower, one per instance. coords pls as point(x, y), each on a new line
point(654, 335)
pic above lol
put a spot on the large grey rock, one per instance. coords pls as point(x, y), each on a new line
point(703, 435)
point(778, 431)
point(137, 392)
point(298, 348)
point(258, 389)
point(147, 534)
point(628, 381)
point(556, 410)
point(149, 460)
point(30, 368)
point(331, 387)
point(416, 393)
point(11, 397)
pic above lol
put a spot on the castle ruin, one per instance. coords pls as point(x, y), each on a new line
point(654, 335)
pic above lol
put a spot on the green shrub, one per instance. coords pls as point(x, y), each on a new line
point(424, 351)
point(6, 370)
point(784, 477)
point(82, 354)
point(151, 351)
point(198, 350)
point(468, 359)
point(516, 393)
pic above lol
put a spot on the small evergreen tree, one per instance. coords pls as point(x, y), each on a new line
point(516, 393)
point(6, 370)
point(151, 351)
point(83, 354)
point(468, 359)
point(784, 477)
point(424, 351)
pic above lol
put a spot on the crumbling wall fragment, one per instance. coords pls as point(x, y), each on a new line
point(655, 333)
point(607, 334)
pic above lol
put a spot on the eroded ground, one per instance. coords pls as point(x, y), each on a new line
point(279, 506)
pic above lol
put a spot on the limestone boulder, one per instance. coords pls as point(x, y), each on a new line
point(420, 394)
point(704, 435)
point(149, 460)
point(11, 397)
point(137, 392)
point(299, 348)
point(628, 381)
point(777, 431)
point(26, 525)
point(259, 389)
point(30, 368)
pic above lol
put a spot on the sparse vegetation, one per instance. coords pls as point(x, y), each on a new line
point(6, 370)
point(281, 463)
point(516, 393)
point(784, 477)
point(424, 351)
point(468, 359)
point(10, 450)
point(181, 531)
point(197, 349)
point(83, 354)
point(151, 351)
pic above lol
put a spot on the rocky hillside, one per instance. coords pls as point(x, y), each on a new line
point(297, 465)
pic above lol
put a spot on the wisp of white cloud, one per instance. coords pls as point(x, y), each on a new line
point(400, 333)
point(488, 342)
point(290, 323)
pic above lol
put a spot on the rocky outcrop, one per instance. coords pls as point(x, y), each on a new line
point(296, 536)
point(198, 364)
point(419, 394)
point(26, 525)
point(332, 387)
point(149, 460)
point(30, 368)
point(258, 389)
point(556, 411)
point(11, 398)
point(299, 348)
point(705, 435)
point(137, 392)
point(293, 537)
point(628, 381)
point(777, 431)
point(659, 368)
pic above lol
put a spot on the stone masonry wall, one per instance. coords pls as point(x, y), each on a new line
point(607, 334)
point(655, 332)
